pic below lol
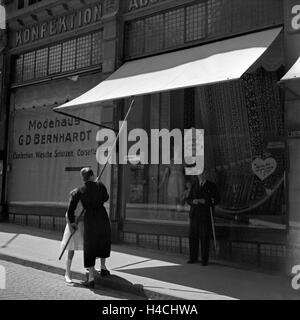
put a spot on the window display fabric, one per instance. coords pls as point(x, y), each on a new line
point(244, 118)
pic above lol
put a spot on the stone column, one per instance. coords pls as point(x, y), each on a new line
point(110, 58)
point(110, 35)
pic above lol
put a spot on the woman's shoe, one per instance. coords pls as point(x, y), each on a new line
point(104, 273)
point(88, 284)
point(191, 261)
point(68, 280)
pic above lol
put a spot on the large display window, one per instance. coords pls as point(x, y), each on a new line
point(244, 149)
point(47, 150)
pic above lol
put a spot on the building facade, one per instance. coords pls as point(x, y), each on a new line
point(58, 50)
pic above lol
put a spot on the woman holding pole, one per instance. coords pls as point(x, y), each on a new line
point(92, 197)
point(97, 229)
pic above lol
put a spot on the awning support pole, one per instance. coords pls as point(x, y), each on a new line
point(117, 138)
point(84, 120)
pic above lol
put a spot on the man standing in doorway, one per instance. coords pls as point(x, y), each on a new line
point(203, 196)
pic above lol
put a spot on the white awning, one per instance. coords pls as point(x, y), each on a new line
point(211, 63)
point(293, 73)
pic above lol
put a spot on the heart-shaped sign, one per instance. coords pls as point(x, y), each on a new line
point(264, 168)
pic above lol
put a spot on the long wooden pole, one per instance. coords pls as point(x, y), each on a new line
point(99, 177)
point(213, 229)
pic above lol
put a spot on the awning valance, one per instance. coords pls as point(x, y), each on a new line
point(207, 64)
point(293, 73)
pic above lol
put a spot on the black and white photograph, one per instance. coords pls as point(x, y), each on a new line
point(149, 153)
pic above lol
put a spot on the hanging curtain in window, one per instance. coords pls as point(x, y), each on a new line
point(243, 121)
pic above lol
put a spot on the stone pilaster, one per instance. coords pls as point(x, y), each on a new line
point(110, 35)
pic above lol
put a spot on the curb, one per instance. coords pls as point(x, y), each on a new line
point(111, 282)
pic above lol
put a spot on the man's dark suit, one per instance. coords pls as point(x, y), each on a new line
point(200, 219)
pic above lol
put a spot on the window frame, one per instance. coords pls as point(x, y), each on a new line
point(94, 63)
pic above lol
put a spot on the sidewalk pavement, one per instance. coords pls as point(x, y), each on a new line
point(149, 274)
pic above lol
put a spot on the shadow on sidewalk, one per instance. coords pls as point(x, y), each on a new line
point(115, 284)
point(221, 281)
point(32, 231)
point(214, 278)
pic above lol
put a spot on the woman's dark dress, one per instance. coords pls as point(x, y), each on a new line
point(97, 230)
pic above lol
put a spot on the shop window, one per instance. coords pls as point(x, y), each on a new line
point(267, 5)
point(55, 59)
point(153, 33)
point(18, 74)
point(243, 123)
point(50, 179)
point(135, 37)
point(189, 108)
point(41, 63)
point(218, 17)
point(174, 28)
point(69, 55)
point(198, 22)
point(97, 48)
point(66, 57)
point(28, 70)
point(83, 52)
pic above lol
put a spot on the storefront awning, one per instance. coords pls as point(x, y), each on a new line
point(207, 64)
point(293, 73)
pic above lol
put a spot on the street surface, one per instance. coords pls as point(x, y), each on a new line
point(25, 283)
